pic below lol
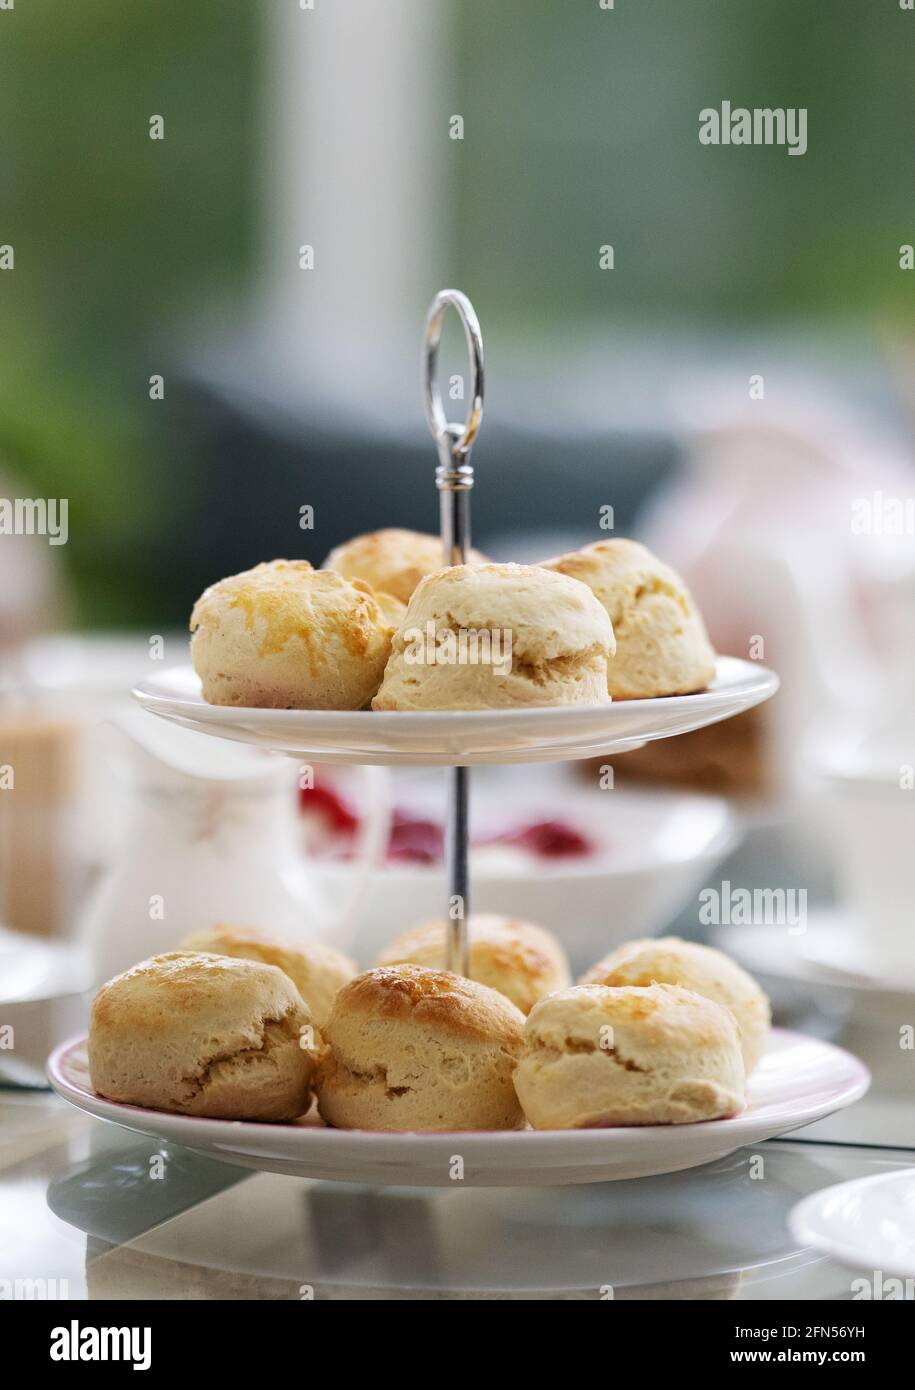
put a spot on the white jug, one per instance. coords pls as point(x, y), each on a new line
point(211, 835)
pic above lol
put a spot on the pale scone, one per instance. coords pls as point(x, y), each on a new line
point(521, 961)
point(669, 961)
point(286, 636)
point(415, 1049)
point(200, 1034)
point(662, 647)
point(599, 1057)
point(316, 970)
point(498, 636)
point(393, 561)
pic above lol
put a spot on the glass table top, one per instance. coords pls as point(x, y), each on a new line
point(96, 1212)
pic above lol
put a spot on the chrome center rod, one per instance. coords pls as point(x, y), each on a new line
point(454, 480)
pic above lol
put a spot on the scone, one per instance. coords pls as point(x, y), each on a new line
point(393, 561)
point(662, 647)
point(661, 1055)
point(521, 961)
point(316, 970)
point(670, 961)
point(498, 636)
point(203, 1035)
point(286, 636)
point(415, 1049)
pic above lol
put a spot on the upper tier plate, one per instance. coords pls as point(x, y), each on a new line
point(448, 738)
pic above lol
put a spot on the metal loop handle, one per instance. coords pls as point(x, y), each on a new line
point(454, 441)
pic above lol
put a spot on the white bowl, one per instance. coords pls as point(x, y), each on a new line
point(655, 849)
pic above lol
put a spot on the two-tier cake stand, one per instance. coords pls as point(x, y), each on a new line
point(798, 1081)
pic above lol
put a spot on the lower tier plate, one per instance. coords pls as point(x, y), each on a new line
point(799, 1080)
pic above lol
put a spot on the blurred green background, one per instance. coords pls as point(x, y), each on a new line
point(584, 131)
point(115, 236)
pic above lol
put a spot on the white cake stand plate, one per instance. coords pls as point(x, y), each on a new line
point(799, 1080)
point(451, 738)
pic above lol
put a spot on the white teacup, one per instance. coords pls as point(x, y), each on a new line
point(870, 813)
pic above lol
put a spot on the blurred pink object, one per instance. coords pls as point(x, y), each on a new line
point(781, 527)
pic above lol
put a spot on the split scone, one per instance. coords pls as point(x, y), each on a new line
point(521, 961)
point(316, 970)
point(498, 636)
point(200, 1034)
point(393, 561)
point(415, 1049)
point(599, 1057)
point(667, 960)
point(286, 636)
point(662, 647)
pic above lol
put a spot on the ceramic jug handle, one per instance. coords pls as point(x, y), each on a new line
point(342, 921)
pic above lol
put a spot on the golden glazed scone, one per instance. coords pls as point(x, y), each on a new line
point(498, 636)
point(415, 1049)
point(316, 970)
point(662, 647)
point(670, 961)
point(521, 961)
point(203, 1035)
point(393, 561)
point(661, 1055)
point(286, 636)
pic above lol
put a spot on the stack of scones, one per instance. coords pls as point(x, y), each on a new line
point(244, 1025)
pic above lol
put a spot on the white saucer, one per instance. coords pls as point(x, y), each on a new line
point(868, 1223)
point(817, 956)
point(831, 950)
point(43, 997)
point(799, 1080)
point(456, 737)
point(34, 969)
